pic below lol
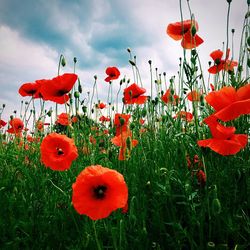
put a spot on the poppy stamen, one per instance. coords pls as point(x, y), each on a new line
point(99, 191)
point(59, 151)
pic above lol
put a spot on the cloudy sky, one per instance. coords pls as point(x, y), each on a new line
point(33, 34)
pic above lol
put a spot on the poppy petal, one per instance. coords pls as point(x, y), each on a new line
point(234, 110)
point(222, 147)
point(222, 98)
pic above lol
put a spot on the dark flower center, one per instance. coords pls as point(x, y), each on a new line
point(61, 92)
point(31, 91)
point(217, 61)
point(99, 191)
point(59, 151)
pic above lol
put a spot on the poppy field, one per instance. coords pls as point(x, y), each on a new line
point(164, 167)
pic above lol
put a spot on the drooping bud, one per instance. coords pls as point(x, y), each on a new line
point(193, 30)
point(63, 61)
point(132, 62)
point(76, 94)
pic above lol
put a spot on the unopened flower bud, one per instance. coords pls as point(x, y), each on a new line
point(132, 63)
point(63, 61)
point(76, 94)
point(75, 60)
point(129, 50)
point(122, 121)
point(193, 30)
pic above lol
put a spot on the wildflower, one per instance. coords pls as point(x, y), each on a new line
point(58, 151)
point(74, 119)
point(194, 96)
point(63, 119)
point(31, 89)
point(126, 143)
point(185, 31)
point(2, 123)
point(121, 122)
point(230, 103)
point(98, 191)
point(104, 119)
point(113, 74)
point(101, 105)
point(40, 125)
point(169, 98)
point(221, 64)
point(16, 126)
point(57, 89)
point(187, 116)
point(201, 176)
point(223, 140)
point(134, 94)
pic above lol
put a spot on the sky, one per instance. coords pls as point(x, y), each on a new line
point(33, 35)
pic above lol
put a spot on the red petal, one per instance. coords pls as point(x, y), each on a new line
point(234, 110)
point(217, 54)
point(243, 93)
point(222, 147)
point(222, 98)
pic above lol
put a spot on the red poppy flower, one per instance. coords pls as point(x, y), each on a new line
point(40, 125)
point(224, 141)
point(113, 74)
point(104, 119)
point(221, 64)
point(194, 96)
point(187, 116)
point(134, 94)
point(58, 151)
point(101, 105)
point(74, 119)
point(63, 119)
point(183, 31)
point(169, 98)
point(229, 103)
point(201, 176)
point(56, 89)
point(31, 89)
point(16, 126)
point(2, 123)
point(98, 191)
point(126, 143)
point(121, 122)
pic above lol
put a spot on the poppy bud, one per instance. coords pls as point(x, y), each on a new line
point(49, 113)
point(3, 105)
point(193, 30)
point(95, 77)
point(216, 206)
point(132, 63)
point(75, 60)
point(129, 50)
point(193, 52)
point(122, 121)
point(121, 82)
point(164, 73)
point(150, 62)
point(229, 1)
point(80, 88)
point(84, 109)
point(76, 94)
point(63, 61)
